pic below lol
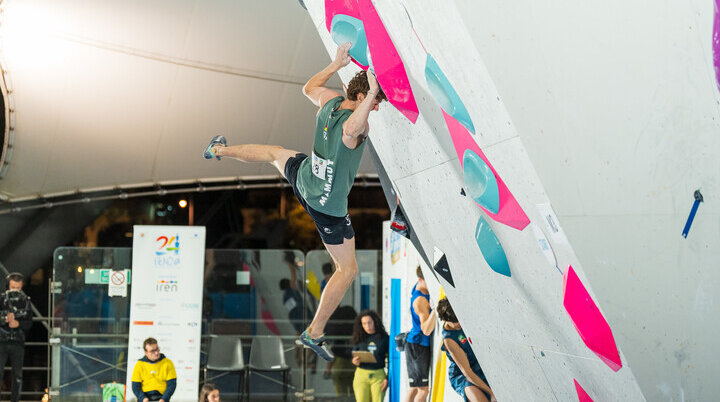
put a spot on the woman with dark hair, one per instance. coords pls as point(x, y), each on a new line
point(466, 375)
point(209, 393)
point(369, 335)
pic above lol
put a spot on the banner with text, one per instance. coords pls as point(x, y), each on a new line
point(166, 300)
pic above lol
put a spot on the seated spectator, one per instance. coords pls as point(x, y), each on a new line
point(466, 375)
point(370, 380)
point(209, 393)
point(153, 377)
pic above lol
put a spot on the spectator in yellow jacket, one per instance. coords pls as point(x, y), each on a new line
point(154, 377)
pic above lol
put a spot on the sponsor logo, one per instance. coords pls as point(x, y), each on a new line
point(167, 251)
point(327, 187)
point(192, 324)
point(166, 286)
point(142, 323)
point(327, 230)
point(145, 305)
point(168, 324)
point(190, 306)
point(167, 245)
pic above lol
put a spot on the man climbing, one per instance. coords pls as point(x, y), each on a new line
point(323, 181)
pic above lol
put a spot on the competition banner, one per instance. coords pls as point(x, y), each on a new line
point(166, 301)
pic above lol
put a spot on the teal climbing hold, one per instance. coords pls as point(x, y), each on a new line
point(491, 248)
point(480, 182)
point(350, 29)
point(445, 94)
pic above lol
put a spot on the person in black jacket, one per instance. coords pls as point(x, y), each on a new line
point(369, 335)
point(15, 321)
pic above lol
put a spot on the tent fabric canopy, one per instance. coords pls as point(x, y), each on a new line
point(120, 93)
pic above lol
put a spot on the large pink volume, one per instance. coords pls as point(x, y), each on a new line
point(345, 7)
point(582, 395)
point(386, 63)
point(716, 42)
point(510, 212)
point(589, 321)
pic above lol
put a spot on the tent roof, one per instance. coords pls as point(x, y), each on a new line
point(112, 94)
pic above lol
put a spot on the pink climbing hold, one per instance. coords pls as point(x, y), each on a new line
point(589, 321)
point(716, 41)
point(582, 395)
point(345, 7)
point(387, 64)
point(510, 213)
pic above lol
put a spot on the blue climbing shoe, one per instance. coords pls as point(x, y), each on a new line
point(319, 346)
point(216, 140)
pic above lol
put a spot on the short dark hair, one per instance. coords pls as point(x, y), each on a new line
point(445, 311)
point(327, 268)
point(359, 85)
point(149, 341)
point(15, 276)
point(419, 273)
point(284, 283)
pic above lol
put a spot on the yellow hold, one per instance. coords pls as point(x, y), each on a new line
point(438, 389)
point(312, 284)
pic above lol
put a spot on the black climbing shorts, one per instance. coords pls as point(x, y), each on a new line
point(333, 229)
point(418, 359)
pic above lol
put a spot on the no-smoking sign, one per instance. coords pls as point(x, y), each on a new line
point(117, 285)
point(117, 278)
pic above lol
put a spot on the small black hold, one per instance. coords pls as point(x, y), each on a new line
point(698, 196)
point(462, 192)
point(542, 353)
point(442, 268)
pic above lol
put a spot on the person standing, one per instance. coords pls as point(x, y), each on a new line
point(369, 335)
point(17, 320)
point(322, 182)
point(418, 352)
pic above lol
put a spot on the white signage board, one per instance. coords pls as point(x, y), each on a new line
point(117, 283)
point(552, 223)
point(166, 300)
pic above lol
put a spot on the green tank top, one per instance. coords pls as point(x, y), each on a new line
point(326, 177)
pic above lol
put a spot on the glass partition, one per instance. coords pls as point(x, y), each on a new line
point(256, 296)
